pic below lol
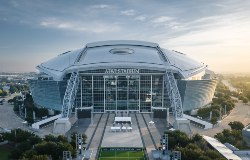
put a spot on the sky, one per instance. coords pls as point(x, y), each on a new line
point(216, 32)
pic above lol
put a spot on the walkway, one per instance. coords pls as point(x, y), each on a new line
point(146, 136)
point(122, 138)
point(155, 129)
point(94, 144)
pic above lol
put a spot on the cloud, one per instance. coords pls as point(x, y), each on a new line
point(140, 18)
point(78, 26)
point(101, 6)
point(162, 19)
point(130, 12)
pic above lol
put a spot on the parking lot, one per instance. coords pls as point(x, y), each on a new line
point(8, 119)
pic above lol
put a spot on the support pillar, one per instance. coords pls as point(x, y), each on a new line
point(167, 117)
point(62, 126)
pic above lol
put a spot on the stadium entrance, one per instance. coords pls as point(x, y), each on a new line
point(135, 90)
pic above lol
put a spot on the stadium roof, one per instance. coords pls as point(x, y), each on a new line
point(122, 54)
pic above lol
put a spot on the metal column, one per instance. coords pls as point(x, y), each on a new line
point(70, 95)
point(174, 95)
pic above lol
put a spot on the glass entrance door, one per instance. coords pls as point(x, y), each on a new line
point(122, 92)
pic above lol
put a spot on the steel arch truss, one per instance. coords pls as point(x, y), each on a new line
point(70, 94)
point(174, 95)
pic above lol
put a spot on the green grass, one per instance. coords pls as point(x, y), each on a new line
point(4, 153)
point(117, 154)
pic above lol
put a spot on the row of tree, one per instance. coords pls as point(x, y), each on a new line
point(27, 145)
point(14, 88)
point(28, 105)
point(221, 104)
point(191, 148)
point(243, 86)
point(233, 136)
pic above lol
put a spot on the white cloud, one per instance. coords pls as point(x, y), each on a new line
point(130, 12)
point(140, 18)
point(94, 27)
point(162, 19)
point(101, 6)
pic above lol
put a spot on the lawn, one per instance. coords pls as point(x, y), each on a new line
point(4, 153)
point(121, 154)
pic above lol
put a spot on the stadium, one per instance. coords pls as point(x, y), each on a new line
point(118, 90)
point(112, 76)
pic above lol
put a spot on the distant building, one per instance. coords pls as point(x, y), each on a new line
point(122, 75)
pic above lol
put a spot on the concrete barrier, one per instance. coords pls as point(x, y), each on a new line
point(38, 124)
point(206, 124)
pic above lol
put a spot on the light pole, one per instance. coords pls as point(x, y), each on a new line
point(225, 109)
point(220, 113)
point(211, 114)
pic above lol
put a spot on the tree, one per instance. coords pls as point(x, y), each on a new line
point(196, 138)
point(177, 138)
point(191, 151)
point(233, 137)
point(13, 89)
point(245, 100)
point(29, 120)
point(212, 154)
point(41, 112)
point(236, 125)
point(47, 148)
point(3, 93)
point(40, 157)
point(214, 120)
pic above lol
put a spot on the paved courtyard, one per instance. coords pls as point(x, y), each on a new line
point(121, 138)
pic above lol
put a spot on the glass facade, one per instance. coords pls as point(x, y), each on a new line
point(124, 91)
point(119, 92)
point(48, 93)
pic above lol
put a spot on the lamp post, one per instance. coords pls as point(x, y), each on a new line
point(225, 109)
point(220, 113)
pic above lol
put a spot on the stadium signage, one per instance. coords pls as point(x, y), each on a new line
point(122, 71)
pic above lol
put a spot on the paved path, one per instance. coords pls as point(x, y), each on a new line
point(84, 126)
point(122, 138)
point(155, 131)
point(146, 136)
point(94, 144)
point(239, 113)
